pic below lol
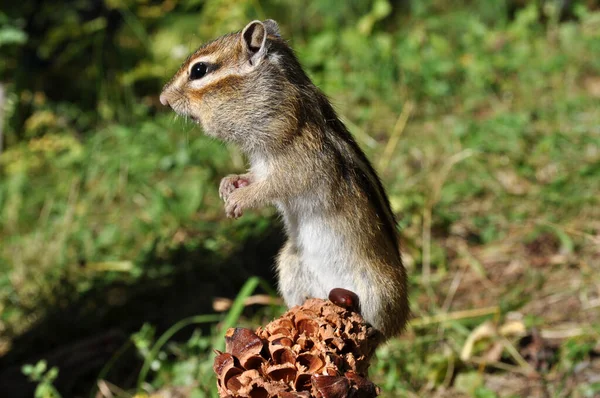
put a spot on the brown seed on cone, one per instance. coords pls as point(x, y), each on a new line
point(242, 342)
point(319, 350)
point(331, 386)
point(364, 387)
point(344, 298)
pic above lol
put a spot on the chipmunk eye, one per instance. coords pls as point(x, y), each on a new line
point(198, 70)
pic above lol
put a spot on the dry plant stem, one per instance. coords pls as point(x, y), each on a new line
point(590, 304)
point(453, 316)
point(474, 263)
point(395, 136)
point(426, 237)
point(590, 237)
point(103, 390)
point(449, 372)
point(449, 297)
point(221, 304)
point(107, 389)
point(517, 356)
point(360, 134)
point(500, 365)
point(438, 184)
point(567, 333)
point(1, 116)
point(452, 290)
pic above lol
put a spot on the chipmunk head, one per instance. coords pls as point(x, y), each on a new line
point(240, 87)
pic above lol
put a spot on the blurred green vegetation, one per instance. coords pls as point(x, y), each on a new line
point(482, 118)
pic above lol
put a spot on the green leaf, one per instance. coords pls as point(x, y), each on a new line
point(10, 35)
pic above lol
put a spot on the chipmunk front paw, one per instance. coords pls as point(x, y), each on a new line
point(233, 205)
point(230, 184)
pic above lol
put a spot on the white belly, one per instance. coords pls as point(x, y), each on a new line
point(325, 255)
point(328, 258)
point(324, 252)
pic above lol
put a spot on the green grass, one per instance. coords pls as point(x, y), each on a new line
point(485, 130)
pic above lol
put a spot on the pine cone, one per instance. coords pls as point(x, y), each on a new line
point(318, 349)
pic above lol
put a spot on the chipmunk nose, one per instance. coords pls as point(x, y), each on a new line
point(163, 99)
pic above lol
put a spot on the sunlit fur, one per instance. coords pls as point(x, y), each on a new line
point(341, 230)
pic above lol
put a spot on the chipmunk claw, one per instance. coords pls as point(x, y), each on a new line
point(234, 208)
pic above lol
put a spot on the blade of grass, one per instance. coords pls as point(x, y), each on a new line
point(236, 310)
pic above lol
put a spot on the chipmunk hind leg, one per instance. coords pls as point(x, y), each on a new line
point(294, 280)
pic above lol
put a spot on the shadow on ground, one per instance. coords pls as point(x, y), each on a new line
point(82, 336)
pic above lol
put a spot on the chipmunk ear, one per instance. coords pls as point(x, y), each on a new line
point(272, 27)
point(254, 38)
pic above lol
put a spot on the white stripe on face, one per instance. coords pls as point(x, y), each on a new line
point(223, 70)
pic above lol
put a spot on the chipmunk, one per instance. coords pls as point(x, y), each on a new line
point(248, 88)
